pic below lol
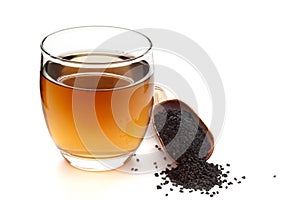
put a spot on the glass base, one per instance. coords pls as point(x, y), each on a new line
point(96, 164)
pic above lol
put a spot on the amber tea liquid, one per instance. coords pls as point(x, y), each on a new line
point(97, 113)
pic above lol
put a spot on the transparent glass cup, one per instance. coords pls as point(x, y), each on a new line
point(97, 88)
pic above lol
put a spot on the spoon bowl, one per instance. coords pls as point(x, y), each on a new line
point(206, 147)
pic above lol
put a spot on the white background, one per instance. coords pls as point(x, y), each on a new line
point(255, 46)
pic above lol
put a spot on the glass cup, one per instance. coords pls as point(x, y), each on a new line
point(96, 87)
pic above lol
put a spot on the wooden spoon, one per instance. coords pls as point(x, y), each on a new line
point(206, 147)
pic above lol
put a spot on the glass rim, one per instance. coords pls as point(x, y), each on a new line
point(96, 63)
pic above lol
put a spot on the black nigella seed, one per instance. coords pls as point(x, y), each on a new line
point(137, 160)
point(166, 195)
point(156, 174)
point(274, 176)
point(135, 169)
point(158, 187)
point(243, 177)
point(239, 182)
point(132, 169)
point(192, 172)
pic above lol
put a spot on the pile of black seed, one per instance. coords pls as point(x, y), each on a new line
point(195, 173)
point(187, 144)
